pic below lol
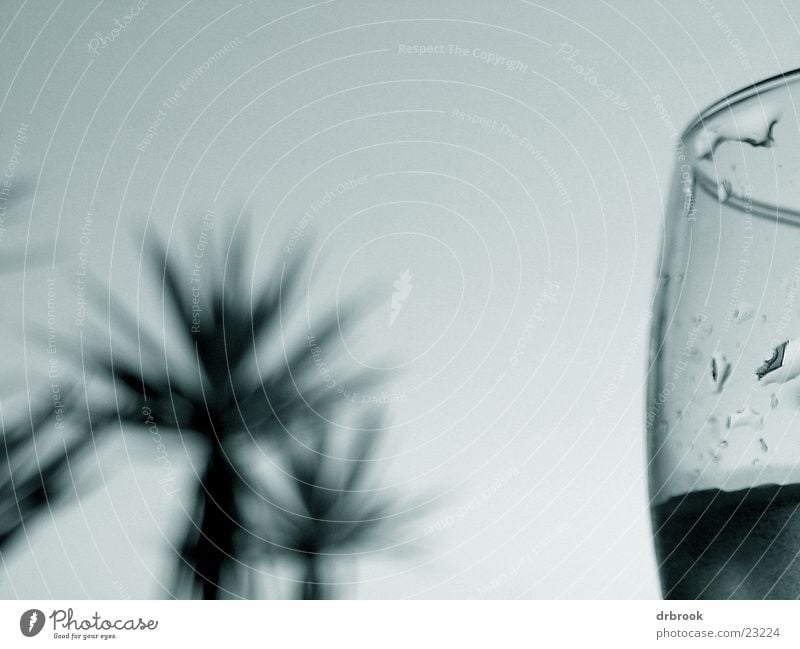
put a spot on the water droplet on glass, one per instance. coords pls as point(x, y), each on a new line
point(746, 417)
point(753, 126)
point(743, 312)
point(782, 366)
point(710, 428)
point(724, 190)
point(756, 461)
point(720, 371)
point(723, 443)
point(763, 445)
point(773, 401)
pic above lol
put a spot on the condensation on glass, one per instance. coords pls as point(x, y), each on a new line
point(723, 412)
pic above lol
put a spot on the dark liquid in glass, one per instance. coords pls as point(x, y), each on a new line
point(716, 544)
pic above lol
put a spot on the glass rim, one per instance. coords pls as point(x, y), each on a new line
point(738, 96)
point(773, 210)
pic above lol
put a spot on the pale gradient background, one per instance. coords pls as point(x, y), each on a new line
point(524, 404)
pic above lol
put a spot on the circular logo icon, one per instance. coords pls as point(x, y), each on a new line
point(31, 622)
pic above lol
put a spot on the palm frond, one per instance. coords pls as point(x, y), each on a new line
point(34, 467)
point(334, 506)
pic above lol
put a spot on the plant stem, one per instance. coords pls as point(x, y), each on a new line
point(312, 586)
point(215, 544)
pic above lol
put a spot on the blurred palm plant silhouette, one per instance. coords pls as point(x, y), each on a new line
point(207, 380)
point(332, 505)
point(32, 473)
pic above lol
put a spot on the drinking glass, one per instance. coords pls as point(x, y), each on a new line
point(723, 412)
